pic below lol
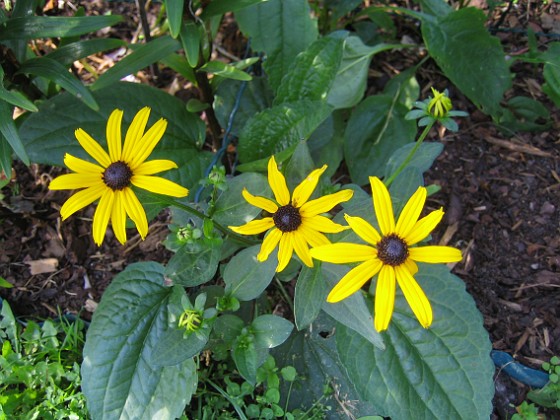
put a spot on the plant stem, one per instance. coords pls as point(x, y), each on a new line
point(171, 202)
point(285, 294)
point(427, 129)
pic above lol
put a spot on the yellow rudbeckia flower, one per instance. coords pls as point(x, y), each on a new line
point(391, 254)
point(295, 222)
point(110, 180)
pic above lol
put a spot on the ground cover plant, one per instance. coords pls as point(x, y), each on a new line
point(296, 198)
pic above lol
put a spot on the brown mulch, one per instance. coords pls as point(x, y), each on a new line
point(501, 195)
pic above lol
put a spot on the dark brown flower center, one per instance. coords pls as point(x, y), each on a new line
point(287, 218)
point(392, 250)
point(117, 176)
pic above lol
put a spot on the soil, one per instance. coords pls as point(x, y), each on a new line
point(501, 193)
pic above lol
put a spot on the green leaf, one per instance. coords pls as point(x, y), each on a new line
point(470, 57)
point(280, 127)
point(405, 86)
point(31, 27)
point(270, 331)
point(270, 26)
point(423, 159)
point(375, 130)
point(174, 9)
point(191, 38)
point(178, 63)
point(9, 326)
point(309, 296)
point(326, 144)
point(49, 133)
point(141, 57)
point(441, 372)
point(405, 184)
point(231, 208)
point(249, 98)
point(5, 283)
point(174, 348)
point(312, 73)
point(5, 156)
point(351, 79)
point(227, 71)
point(193, 265)
point(246, 277)
point(247, 360)
point(526, 114)
point(299, 167)
point(69, 53)
point(14, 97)
point(219, 7)
point(552, 86)
point(436, 8)
point(56, 72)
point(10, 133)
point(118, 380)
point(352, 311)
point(313, 354)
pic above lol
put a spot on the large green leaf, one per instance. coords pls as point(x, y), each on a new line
point(56, 72)
point(10, 133)
point(310, 294)
point(375, 130)
point(422, 159)
point(231, 208)
point(312, 73)
point(281, 29)
point(469, 56)
point(219, 7)
point(193, 264)
point(441, 372)
point(245, 277)
point(278, 128)
point(118, 380)
point(69, 53)
point(141, 57)
point(31, 27)
point(49, 133)
point(270, 331)
point(351, 79)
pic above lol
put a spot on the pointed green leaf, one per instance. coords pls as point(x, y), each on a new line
point(279, 128)
point(56, 72)
point(227, 71)
point(69, 53)
point(174, 348)
point(10, 133)
point(422, 159)
point(31, 27)
point(14, 97)
point(5, 156)
point(219, 7)
point(375, 130)
point(143, 56)
point(469, 56)
point(118, 380)
point(49, 133)
point(270, 26)
point(191, 38)
point(174, 9)
point(441, 372)
point(246, 277)
point(193, 265)
point(312, 73)
point(310, 294)
point(270, 331)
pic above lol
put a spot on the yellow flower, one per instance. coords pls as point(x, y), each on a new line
point(111, 180)
point(441, 103)
point(294, 223)
point(391, 254)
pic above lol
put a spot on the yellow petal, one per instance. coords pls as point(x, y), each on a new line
point(322, 224)
point(134, 133)
point(306, 187)
point(154, 166)
point(435, 254)
point(343, 253)
point(269, 243)
point(411, 211)
point(325, 203)
point(313, 237)
point(277, 183)
point(260, 202)
point(254, 227)
point(382, 205)
point(145, 146)
point(159, 185)
point(384, 298)
point(113, 135)
point(415, 296)
point(81, 199)
point(301, 248)
point(102, 215)
point(118, 217)
point(363, 229)
point(423, 227)
point(285, 250)
point(135, 211)
point(92, 147)
point(75, 181)
point(354, 280)
point(411, 266)
point(82, 166)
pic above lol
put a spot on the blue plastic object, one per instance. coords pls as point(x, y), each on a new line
point(526, 375)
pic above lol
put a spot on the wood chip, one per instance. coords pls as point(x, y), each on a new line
point(45, 265)
point(517, 147)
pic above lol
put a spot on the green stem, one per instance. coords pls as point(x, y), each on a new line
point(285, 294)
point(427, 129)
point(234, 236)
